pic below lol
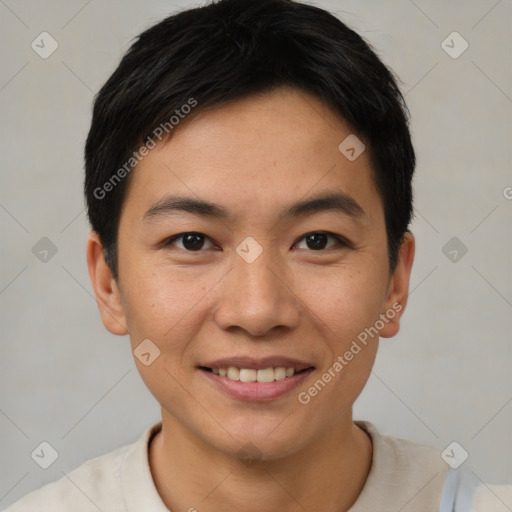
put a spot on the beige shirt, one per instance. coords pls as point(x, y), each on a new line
point(405, 476)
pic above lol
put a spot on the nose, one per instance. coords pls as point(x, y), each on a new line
point(257, 297)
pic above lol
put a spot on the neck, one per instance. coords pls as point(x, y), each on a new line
point(326, 475)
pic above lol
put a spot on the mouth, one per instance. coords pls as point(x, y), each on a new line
point(269, 374)
point(251, 380)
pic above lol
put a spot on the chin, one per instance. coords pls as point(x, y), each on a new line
point(260, 440)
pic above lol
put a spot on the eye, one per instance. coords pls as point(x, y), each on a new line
point(192, 241)
point(318, 240)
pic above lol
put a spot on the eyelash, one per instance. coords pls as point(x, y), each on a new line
point(341, 241)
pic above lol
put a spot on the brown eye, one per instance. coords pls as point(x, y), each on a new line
point(189, 241)
point(316, 240)
point(319, 240)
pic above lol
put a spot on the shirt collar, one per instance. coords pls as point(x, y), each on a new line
point(138, 488)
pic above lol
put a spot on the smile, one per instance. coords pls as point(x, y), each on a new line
point(255, 375)
point(255, 384)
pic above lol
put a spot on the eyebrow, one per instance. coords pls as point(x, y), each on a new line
point(338, 202)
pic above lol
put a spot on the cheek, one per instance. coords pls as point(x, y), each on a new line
point(167, 306)
point(347, 301)
point(159, 304)
point(165, 310)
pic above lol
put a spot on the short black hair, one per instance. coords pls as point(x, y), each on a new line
point(231, 49)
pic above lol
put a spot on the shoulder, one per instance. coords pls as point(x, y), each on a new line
point(464, 491)
point(404, 454)
point(101, 483)
point(415, 476)
point(84, 489)
point(493, 498)
point(405, 475)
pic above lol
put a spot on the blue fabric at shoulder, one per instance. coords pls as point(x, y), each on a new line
point(459, 491)
point(450, 491)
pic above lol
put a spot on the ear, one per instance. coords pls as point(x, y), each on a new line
point(398, 291)
point(105, 287)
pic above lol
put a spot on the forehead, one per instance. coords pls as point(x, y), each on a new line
point(256, 153)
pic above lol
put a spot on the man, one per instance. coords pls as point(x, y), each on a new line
point(248, 182)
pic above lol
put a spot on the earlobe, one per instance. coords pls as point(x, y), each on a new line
point(108, 296)
point(399, 287)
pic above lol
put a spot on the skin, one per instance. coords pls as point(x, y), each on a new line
point(255, 157)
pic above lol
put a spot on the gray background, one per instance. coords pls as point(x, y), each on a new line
point(445, 377)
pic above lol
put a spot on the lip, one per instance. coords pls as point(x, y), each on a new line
point(257, 391)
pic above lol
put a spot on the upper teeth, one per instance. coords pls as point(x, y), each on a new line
point(252, 375)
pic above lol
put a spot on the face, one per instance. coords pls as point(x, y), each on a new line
point(250, 241)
